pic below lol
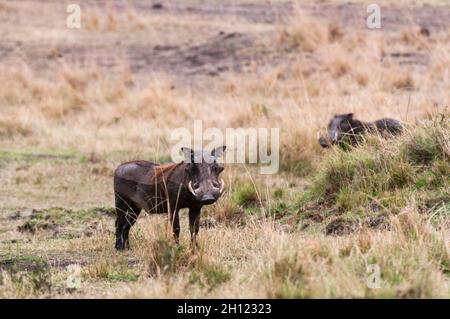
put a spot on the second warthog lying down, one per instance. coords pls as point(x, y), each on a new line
point(344, 127)
point(166, 189)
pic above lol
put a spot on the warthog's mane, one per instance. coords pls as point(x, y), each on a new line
point(161, 169)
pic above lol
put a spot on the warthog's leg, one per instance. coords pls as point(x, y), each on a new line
point(194, 224)
point(175, 222)
point(127, 214)
point(131, 219)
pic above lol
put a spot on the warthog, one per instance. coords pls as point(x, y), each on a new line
point(345, 126)
point(165, 189)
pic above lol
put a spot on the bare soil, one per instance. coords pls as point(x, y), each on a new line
point(224, 51)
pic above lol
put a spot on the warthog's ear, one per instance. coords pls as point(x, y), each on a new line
point(349, 115)
point(218, 152)
point(188, 154)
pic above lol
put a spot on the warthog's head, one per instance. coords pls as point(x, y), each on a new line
point(202, 172)
point(338, 127)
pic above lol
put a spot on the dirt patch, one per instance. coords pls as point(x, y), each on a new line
point(314, 216)
point(63, 263)
point(251, 12)
point(393, 18)
point(15, 216)
point(225, 51)
point(23, 263)
point(350, 15)
point(67, 213)
point(340, 226)
point(33, 226)
point(61, 222)
point(379, 222)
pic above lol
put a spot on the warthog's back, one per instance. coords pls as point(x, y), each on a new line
point(388, 125)
point(136, 171)
point(132, 182)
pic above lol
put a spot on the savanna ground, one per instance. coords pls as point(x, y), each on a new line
point(76, 103)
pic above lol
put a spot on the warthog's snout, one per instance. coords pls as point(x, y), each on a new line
point(208, 199)
point(207, 193)
point(323, 142)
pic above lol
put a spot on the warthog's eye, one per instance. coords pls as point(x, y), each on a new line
point(216, 184)
point(192, 168)
point(218, 168)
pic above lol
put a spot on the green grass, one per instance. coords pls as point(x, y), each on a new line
point(33, 155)
point(111, 270)
point(28, 275)
point(66, 215)
point(58, 222)
point(245, 195)
point(210, 277)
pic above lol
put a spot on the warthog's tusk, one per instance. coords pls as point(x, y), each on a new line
point(191, 189)
point(318, 135)
point(222, 185)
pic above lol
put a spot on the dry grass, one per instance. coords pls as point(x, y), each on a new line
point(68, 118)
point(261, 261)
point(304, 32)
